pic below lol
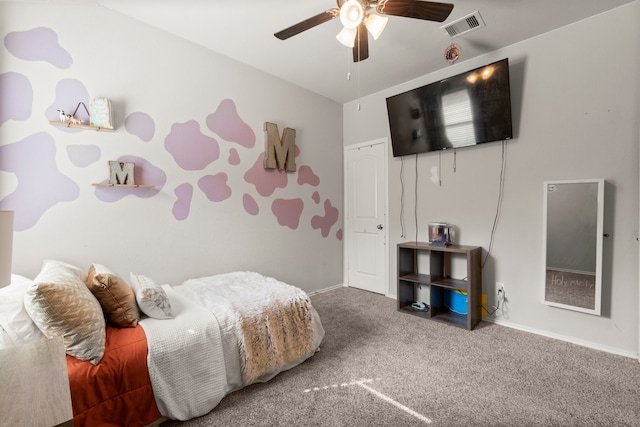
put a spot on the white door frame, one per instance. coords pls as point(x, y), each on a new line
point(345, 249)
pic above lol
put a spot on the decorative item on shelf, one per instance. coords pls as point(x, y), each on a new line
point(121, 173)
point(440, 234)
point(71, 118)
point(64, 117)
point(100, 115)
point(420, 306)
point(452, 53)
point(71, 121)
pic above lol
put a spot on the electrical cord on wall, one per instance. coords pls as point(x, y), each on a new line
point(500, 299)
point(440, 168)
point(455, 160)
point(499, 204)
point(415, 206)
point(402, 235)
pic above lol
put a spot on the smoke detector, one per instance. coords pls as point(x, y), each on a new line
point(461, 26)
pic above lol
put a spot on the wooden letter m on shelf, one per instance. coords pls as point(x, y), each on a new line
point(279, 153)
point(121, 172)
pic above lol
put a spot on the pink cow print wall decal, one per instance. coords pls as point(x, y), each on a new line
point(141, 125)
point(17, 97)
point(288, 212)
point(41, 185)
point(184, 193)
point(38, 44)
point(190, 148)
point(194, 146)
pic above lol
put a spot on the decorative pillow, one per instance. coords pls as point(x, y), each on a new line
point(60, 303)
point(152, 299)
point(114, 295)
point(16, 327)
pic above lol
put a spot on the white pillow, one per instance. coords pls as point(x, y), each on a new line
point(151, 298)
point(16, 327)
point(60, 304)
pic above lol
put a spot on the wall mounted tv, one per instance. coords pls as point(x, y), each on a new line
point(467, 109)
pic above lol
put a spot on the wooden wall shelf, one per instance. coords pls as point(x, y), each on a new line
point(85, 127)
point(124, 185)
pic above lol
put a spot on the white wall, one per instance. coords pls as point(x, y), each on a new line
point(142, 69)
point(575, 98)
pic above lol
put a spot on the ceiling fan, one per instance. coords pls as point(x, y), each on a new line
point(357, 16)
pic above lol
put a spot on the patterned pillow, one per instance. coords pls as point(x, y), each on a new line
point(152, 299)
point(114, 295)
point(16, 326)
point(60, 304)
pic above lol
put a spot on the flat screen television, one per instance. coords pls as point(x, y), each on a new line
point(460, 111)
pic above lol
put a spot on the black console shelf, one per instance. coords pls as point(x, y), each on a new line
point(438, 280)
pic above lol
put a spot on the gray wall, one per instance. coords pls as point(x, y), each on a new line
point(575, 100)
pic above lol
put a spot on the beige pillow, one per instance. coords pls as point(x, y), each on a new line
point(114, 295)
point(60, 304)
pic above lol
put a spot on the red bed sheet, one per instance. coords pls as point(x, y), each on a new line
point(117, 391)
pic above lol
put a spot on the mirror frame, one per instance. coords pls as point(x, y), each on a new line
point(599, 241)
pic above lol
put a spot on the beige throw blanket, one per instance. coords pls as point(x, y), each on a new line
point(272, 319)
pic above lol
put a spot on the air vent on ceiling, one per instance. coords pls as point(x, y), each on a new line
point(465, 24)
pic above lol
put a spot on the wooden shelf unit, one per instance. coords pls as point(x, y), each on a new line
point(438, 281)
point(124, 185)
point(85, 127)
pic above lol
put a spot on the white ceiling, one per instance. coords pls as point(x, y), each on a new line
point(408, 48)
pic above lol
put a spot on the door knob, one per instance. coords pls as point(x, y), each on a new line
point(379, 227)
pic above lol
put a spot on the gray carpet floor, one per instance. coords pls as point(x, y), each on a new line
point(379, 367)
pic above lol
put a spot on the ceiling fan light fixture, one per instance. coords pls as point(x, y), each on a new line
point(375, 24)
point(351, 14)
point(347, 36)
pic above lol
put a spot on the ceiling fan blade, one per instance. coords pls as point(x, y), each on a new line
point(418, 9)
point(318, 19)
point(361, 47)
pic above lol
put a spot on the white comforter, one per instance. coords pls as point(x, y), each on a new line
point(185, 360)
point(194, 359)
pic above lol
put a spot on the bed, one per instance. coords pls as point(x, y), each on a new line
point(153, 352)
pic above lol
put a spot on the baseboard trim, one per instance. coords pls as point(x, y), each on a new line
point(341, 285)
point(565, 338)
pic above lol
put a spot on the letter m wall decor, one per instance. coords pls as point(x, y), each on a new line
point(279, 153)
point(121, 172)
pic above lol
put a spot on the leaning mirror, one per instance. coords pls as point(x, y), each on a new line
point(573, 232)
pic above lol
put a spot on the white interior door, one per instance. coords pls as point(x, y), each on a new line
point(366, 237)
